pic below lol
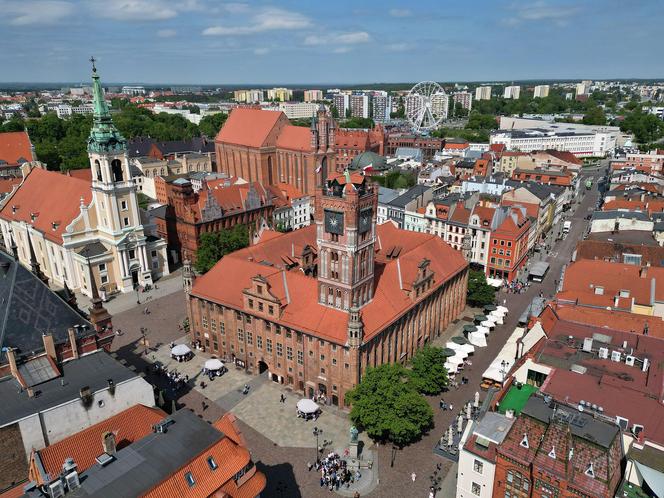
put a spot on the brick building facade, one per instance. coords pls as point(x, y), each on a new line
point(350, 143)
point(428, 145)
point(317, 306)
point(262, 146)
point(508, 246)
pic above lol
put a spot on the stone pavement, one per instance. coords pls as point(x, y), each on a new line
point(119, 303)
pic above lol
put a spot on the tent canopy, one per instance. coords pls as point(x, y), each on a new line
point(488, 324)
point(502, 308)
point(468, 348)
point(460, 340)
point(306, 405)
point(447, 352)
point(180, 350)
point(451, 367)
point(477, 339)
point(214, 364)
point(483, 330)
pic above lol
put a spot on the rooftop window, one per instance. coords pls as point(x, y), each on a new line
point(211, 463)
point(189, 477)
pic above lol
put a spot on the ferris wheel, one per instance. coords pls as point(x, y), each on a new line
point(426, 105)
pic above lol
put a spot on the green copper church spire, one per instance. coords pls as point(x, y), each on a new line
point(104, 136)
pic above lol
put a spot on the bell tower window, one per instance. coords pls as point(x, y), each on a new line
point(116, 168)
point(98, 170)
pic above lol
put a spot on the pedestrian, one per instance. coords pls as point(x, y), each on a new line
point(282, 399)
point(442, 404)
point(451, 407)
point(356, 494)
point(309, 466)
point(413, 476)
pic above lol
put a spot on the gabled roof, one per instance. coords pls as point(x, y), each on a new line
point(52, 198)
point(294, 138)
point(15, 148)
point(249, 127)
point(28, 309)
point(128, 426)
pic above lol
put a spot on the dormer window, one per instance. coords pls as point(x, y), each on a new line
point(524, 442)
point(590, 472)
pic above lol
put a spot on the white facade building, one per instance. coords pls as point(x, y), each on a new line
point(342, 102)
point(581, 144)
point(477, 468)
point(512, 92)
point(359, 106)
point(67, 110)
point(483, 93)
point(464, 98)
point(381, 107)
point(313, 95)
point(440, 104)
point(133, 90)
point(298, 110)
point(541, 91)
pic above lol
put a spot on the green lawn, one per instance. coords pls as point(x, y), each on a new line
point(516, 398)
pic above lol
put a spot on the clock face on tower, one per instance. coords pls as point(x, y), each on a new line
point(365, 220)
point(334, 222)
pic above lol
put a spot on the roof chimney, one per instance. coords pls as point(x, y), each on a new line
point(11, 357)
point(72, 342)
point(108, 443)
point(49, 346)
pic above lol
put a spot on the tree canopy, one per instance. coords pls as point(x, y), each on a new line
point(357, 123)
point(387, 406)
point(396, 179)
point(215, 245)
point(212, 123)
point(645, 126)
point(428, 373)
point(480, 293)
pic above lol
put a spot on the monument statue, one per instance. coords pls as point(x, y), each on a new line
point(353, 434)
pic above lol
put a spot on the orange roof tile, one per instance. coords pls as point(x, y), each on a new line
point(82, 174)
point(84, 446)
point(7, 183)
point(15, 145)
point(249, 127)
point(52, 197)
point(303, 311)
point(456, 145)
point(295, 138)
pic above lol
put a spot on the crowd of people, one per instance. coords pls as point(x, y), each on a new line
point(334, 473)
point(175, 379)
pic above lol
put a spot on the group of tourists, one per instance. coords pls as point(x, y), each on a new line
point(334, 473)
point(175, 379)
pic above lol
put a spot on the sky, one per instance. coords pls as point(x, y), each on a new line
point(326, 42)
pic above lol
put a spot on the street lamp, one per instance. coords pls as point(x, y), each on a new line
point(317, 432)
point(394, 454)
point(503, 369)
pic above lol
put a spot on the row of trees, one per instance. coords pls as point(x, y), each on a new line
point(212, 246)
point(388, 402)
point(62, 143)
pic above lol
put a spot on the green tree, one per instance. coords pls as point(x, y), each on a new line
point(334, 111)
point(212, 123)
point(386, 405)
point(645, 126)
point(428, 374)
point(358, 123)
point(594, 116)
point(14, 124)
point(480, 293)
point(215, 245)
point(143, 200)
point(477, 121)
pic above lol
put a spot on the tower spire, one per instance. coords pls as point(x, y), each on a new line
point(104, 136)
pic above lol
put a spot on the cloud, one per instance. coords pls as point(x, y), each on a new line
point(25, 12)
point(268, 19)
point(351, 38)
point(400, 12)
point(166, 33)
point(142, 10)
point(261, 51)
point(540, 11)
point(342, 50)
point(398, 47)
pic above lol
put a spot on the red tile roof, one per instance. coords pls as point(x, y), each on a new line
point(82, 174)
point(295, 138)
point(391, 299)
point(564, 156)
point(15, 145)
point(456, 145)
point(250, 127)
point(231, 457)
point(84, 446)
point(582, 278)
point(7, 183)
point(52, 197)
point(652, 255)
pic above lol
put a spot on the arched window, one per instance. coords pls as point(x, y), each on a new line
point(116, 168)
point(98, 170)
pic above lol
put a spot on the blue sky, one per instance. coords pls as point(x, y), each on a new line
point(209, 41)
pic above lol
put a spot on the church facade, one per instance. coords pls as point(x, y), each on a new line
point(77, 228)
point(262, 146)
point(315, 307)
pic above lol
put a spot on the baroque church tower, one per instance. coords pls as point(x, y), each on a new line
point(114, 195)
point(346, 208)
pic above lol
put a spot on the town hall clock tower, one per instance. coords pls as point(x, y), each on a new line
point(346, 230)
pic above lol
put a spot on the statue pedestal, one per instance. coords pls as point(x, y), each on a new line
point(352, 450)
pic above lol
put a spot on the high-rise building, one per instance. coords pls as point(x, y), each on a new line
point(541, 91)
point(440, 103)
point(381, 106)
point(280, 94)
point(341, 102)
point(512, 92)
point(359, 106)
point(313, 95)
point(583, 88)
point(464, 98)
point(249, 96)
point(483, 93)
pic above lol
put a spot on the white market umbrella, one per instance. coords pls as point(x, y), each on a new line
point(492, 318)
point(455, 360)
point(461, 353)
point(469, 410)
point(180, 350)
point(214, 364)
point(476, 403)
point(467, 348)
point(450, 436)
point(499, 313)
point(450, 367)
point(488, 324)
point(460, 424)
point(453, 345)
point(483, 330)
point(502, 308)
point(477, 339)
point(306, 405)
